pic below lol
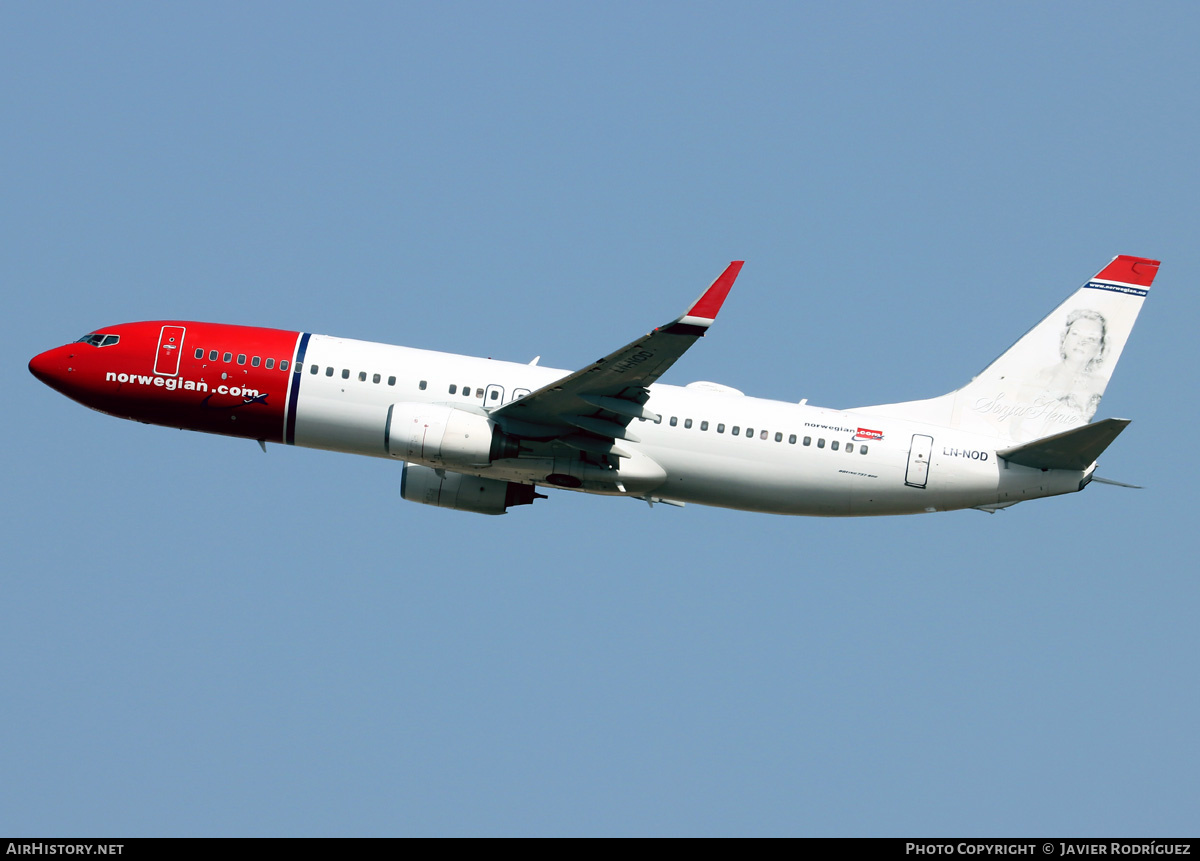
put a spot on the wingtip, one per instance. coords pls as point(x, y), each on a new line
point(706, 307)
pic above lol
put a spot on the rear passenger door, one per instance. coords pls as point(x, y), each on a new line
point(917, 474)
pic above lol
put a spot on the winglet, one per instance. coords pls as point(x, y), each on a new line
point(704, 310)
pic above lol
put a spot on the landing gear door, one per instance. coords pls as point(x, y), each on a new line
point(917, 474)
point(170, 348)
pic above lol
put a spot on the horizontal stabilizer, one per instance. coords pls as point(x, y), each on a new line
point(1074, 449)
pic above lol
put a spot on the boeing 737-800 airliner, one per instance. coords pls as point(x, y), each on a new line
point(482, 435)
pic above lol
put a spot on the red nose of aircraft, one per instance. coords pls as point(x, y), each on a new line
point(53, 367)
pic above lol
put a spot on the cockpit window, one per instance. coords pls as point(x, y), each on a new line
point(99, 340)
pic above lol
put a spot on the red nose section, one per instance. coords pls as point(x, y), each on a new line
point(52, 367)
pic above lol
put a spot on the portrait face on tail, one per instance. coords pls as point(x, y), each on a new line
point(1084, 339)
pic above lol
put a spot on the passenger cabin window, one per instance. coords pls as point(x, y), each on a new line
point(391, 381)
point(228, 357)
point(199, 353)
point(750, 432)
point(421, 386)
point(720, 427)
point(762, 435)
point(270, 364)
point(849, 448)
point(212, 356)
point(687, 423)
point(703, 426)
point(862, 449)
point(808, 440)
point(375, 379)
point(345, 373)
point(479, 393)
point(315, 368)
point(255, 362)
point(792, 439)
point(834, 445)
point(241, 358)
point(362, 376)
point(283, 365)
point(453, 388)
point(735, 430)
point(778, 437)
point(495, 394)
point(674, 421)
point(821, 442)
point(329, 371)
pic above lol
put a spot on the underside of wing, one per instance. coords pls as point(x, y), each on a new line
point(590, 410)
point(1074, 449)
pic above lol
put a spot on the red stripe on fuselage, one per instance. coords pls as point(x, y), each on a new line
point(215, 395)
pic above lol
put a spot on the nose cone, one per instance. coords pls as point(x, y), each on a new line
point(53, 367)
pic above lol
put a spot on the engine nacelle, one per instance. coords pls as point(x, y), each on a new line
point(444, 436)
point(463, 492)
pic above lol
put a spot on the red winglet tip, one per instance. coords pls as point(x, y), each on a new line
point(709, 304)
point(1130, 270)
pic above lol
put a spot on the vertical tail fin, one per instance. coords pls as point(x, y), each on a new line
point(1052, 379)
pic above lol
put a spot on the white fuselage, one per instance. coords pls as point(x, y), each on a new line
point(799, 459)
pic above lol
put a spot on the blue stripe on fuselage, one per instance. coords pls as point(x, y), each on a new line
point(289, 431)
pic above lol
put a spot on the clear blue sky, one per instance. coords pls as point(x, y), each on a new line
point(198, 639)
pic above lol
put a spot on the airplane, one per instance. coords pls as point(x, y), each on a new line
point(483, 435)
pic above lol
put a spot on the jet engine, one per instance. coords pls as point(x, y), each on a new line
point(445, 436)
point(463, 492)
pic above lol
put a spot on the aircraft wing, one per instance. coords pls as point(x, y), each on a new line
point(591, 408)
